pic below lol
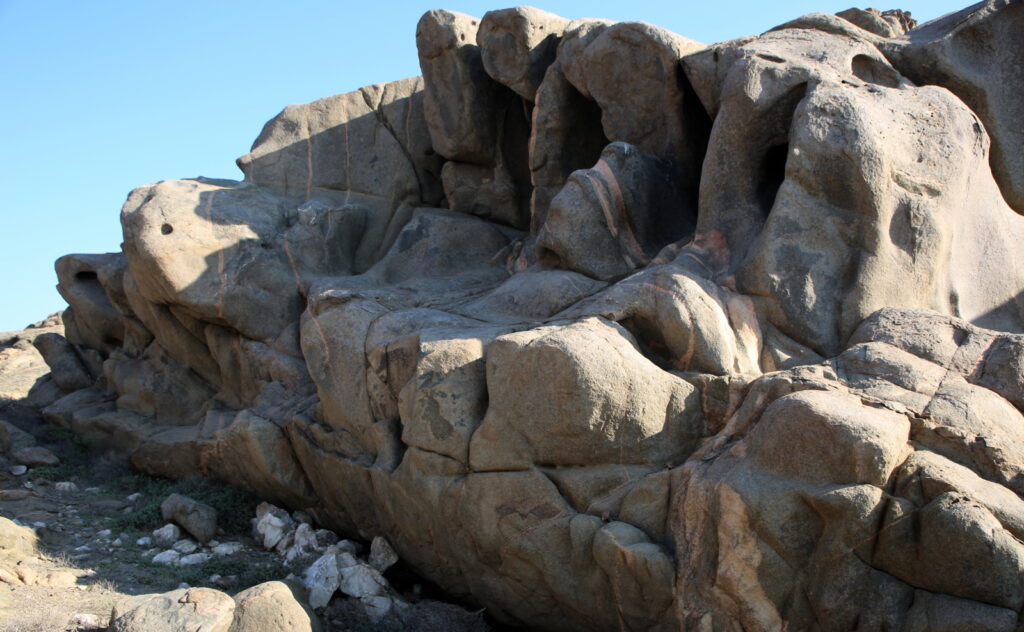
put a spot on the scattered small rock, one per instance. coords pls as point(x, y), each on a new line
point(18, 470)
point(66, 486)
point(133, 497)
point(185, 546)
point(345, 546)
point(272, 525)
point(303, 543)
point(87, 621)
point(167, 535)
point(195, 559)
point(167, 557)
point(227, 548)
point(382, 555)
point(144, 541)
point(322, 580)
point(106, 533)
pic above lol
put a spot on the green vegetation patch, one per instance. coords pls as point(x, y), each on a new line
point(235, 508)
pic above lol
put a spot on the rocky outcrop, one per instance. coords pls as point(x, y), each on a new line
point(606, 329)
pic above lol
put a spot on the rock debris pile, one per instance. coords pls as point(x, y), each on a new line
point(604, 328)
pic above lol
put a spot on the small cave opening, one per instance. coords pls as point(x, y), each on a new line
point(86, 275)
point(874, 71)
point(697, 123)
point(771, 176)
point(585, 139)
point(548, 257)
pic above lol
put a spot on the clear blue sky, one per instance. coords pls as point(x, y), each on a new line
point(102, 96)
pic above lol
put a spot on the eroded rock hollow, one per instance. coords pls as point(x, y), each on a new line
point(608, 329)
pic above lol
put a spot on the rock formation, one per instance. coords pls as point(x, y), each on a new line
point(607, 329)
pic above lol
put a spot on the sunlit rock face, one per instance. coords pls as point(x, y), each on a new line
point(608, 329)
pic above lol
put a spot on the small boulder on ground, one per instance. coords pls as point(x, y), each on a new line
point(272, 525)
point(273, 606)
point(195, 559)
point(164, 537)
point(167, 557)
point(382, 555)
point(189, 609)
point(199, 519)
point(35, 456)
point(185, 546)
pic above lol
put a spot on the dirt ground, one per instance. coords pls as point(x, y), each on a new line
point(88, 535)
point(89, 556)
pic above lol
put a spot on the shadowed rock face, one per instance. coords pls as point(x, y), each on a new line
point(606, 329)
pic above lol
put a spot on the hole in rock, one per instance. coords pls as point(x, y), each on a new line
point(771, 176)
point(648, 335)
point(85, 275)
point(874, 71)
point(167, 229)
point(698, 133)
point(549, 258)
point(585, 139)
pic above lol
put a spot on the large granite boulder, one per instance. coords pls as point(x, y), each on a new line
point(602, 328)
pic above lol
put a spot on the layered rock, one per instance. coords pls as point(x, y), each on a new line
point(604, 328)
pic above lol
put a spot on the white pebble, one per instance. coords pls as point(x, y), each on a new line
point(195, 559)
point(166, 557)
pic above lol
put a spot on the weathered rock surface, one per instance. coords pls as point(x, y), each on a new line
point(270, 607)
point(23, 371)
point(184, 610)
point(976, 53)
point(517, 45)
point(601, 328)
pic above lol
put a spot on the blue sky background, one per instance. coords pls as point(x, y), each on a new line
point(100, 97)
